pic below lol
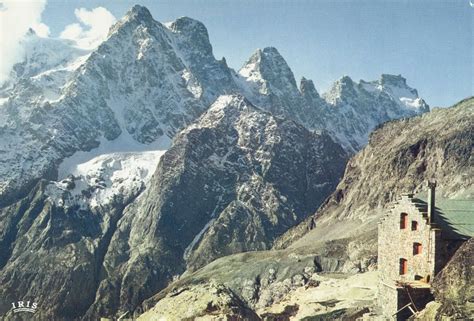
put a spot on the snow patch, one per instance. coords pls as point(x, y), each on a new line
point(100, 180)
point(116, 169)
point(123, 144)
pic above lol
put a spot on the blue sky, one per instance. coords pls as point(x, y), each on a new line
point(429, 42)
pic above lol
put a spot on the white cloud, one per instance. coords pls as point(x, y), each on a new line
point(92, 28)
point(41, 30)
point(16, 17)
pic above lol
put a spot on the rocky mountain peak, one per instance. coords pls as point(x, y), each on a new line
point(139, 13)
point(189, 26)
point(342, 89)
point(226, 109)
point(194, 36)
point(308, 90)
point(230, 102)
point(396, 86)
point(394, 80)
point(136, 16)
point(269, 66)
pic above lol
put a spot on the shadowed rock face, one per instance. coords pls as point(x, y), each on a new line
point(46, 248)
point(453, 287)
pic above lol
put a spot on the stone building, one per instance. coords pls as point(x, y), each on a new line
point(416, 239)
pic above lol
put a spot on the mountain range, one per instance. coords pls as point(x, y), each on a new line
point(124, 167)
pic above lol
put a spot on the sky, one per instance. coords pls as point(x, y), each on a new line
point(428, 42)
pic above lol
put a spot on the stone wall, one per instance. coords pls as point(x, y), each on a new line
point(396, 243)
point(387, 297)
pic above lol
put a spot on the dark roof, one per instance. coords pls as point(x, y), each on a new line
point(455, 217)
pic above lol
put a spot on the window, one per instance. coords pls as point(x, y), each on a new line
point(416, 248)
point(403, 221)
point(414, 225)
point(403, 266)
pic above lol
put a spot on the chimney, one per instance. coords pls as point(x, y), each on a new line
point(431, 200)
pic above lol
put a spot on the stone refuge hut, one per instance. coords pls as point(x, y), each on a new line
point(416, 239)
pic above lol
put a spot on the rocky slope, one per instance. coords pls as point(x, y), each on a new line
point(208, 302)
point(321, 278)
point(400, 157)
point(453, 288)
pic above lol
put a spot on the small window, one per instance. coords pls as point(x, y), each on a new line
point(416, 248)
point(403, 221)
point(403, 266)
point(414, 225)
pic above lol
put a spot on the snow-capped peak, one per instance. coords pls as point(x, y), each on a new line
point(268, 66)
point(42, 54)
point(393, 86)
point(188, 25)
point(136, 16)
point(397, 88)
point(342, 90)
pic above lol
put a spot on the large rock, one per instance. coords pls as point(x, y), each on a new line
point(203, 302)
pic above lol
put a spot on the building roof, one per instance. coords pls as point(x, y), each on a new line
point(455, 217)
